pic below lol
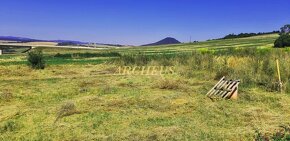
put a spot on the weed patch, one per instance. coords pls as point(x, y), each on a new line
point(66, 109)
point(6, 96)
point(9, 126)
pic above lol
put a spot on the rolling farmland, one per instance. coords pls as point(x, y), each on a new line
point(78, 96)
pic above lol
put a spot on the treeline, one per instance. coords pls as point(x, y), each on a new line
point(243, 35)
point(67, 44)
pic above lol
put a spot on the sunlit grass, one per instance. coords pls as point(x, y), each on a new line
point(97, 106)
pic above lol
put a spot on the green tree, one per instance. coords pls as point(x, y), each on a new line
point(282, 41)
point(36, 59)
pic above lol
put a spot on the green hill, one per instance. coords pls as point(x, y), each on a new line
point(263, 41)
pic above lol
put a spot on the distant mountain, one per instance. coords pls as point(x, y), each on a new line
point(60, 42)
point(22, 39)
point(165, 41)
point(17, 39)
point(68, 41)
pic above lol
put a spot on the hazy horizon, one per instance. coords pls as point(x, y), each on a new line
point(139, 22)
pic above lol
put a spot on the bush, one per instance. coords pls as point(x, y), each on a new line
point(36, 59)
point(282, 41)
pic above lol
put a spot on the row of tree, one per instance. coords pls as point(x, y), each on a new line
point(243, 35)
point(281, 42)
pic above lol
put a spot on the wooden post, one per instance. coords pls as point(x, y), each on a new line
point(279, 75)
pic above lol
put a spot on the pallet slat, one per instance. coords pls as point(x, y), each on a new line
point(215, 86)
point(224, 89)
point(230, 87)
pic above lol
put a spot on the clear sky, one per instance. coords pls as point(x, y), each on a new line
point(139, 22)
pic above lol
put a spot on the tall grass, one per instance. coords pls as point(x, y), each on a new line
point(254, 67)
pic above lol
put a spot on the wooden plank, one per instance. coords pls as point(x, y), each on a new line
point(234, 88)
point(216, 85)
point(224, 89)
point(230, 87)
point(230, 93)
point(217, 89)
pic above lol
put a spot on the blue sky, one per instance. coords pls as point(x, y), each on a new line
point(139, 22)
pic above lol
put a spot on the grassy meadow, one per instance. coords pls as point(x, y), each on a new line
point(78, 97)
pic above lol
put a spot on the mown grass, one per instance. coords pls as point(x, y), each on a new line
point(58, 62)
point(62, 59)
point(84, 101)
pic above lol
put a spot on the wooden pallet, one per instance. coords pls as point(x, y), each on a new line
point(226, 89)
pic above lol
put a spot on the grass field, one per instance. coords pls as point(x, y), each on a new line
point(78, 97)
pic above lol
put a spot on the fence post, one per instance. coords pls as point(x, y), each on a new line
point(279, 76)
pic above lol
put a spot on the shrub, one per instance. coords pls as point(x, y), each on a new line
point(282, 41)
point(36, 59)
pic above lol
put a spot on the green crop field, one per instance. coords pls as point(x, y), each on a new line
point(78, 96)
